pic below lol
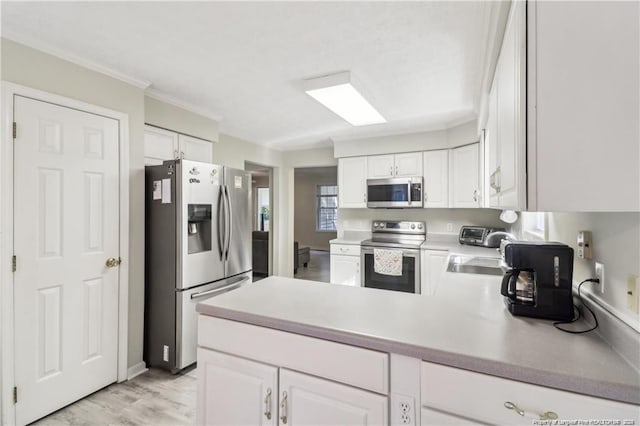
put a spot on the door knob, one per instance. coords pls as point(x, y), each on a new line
point(112, 262)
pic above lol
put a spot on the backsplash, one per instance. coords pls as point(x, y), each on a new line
point(436, 219)
point(616, 244)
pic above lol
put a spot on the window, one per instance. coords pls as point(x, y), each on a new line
point(533, 224)
point(326, 207)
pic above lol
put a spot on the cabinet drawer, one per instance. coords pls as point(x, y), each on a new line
point(482, 398)
point(347, 364)
point(346, 249)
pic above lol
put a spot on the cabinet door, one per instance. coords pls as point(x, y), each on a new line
point(352, 182)
point(306, 400)
point(510, 99)
point(464, 176)
point(159, 145)
point(431, 417)
point(491, 140)
point(409, 164)
point(583, 141)
point(235, 391)
point(433, 262)
point(436, 178)
point(195, 149)
point(380, 166)
point(345, 270)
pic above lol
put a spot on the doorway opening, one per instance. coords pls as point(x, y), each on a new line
point(315, 217)
point(262, 219)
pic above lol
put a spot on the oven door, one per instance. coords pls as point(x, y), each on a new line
point(408, 282)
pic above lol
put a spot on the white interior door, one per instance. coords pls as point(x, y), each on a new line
point(66, 203)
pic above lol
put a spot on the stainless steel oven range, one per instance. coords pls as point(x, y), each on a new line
point(393, 241)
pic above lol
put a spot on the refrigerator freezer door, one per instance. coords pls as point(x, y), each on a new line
point(187, 317)
point(199, 224)
point(238, 184)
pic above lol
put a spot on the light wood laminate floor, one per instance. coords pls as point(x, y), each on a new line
point(152, 398)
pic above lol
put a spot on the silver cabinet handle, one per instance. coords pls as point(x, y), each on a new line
point(283, 407)
point(364, 196)
point(390, 170)
point(396, 170)
point(182, 155)
point(475, 195)
point(267, 405)
point(547, 415)
point(175, 154)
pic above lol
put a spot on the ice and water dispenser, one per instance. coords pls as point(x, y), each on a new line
point(199, 228)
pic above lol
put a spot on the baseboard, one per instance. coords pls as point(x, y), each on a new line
point(136, 370)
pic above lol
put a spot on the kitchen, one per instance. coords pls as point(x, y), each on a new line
point(580, 192)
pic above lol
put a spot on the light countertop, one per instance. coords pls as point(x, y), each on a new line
point(464, 325)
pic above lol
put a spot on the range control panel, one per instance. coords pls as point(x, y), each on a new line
point(399, 227)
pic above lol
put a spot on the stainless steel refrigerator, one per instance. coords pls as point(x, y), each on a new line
point(197, 245)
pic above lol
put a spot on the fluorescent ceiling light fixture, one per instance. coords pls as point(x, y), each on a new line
point(337, 92)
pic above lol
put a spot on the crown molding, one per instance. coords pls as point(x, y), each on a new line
point(62, 54)
point(169, 99)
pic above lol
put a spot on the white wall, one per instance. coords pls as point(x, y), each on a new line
point(616, 244)
point(305, 205)
point(436, 219)
point(162, 114)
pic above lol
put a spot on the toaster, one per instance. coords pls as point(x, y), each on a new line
point(477, 235)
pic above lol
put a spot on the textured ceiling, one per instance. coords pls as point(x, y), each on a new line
point(419, 62)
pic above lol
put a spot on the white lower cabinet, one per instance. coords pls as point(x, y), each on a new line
point(430, 417)
point(235, 391)
point(344, 267)
point(448, 393)
point(251, 375)
point(307, 400)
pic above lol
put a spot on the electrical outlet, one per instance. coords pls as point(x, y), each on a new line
point(165, 353)
point(633, 298)
point(600, 276)
point(403, 411)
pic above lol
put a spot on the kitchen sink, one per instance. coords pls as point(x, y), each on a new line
point(474, 265)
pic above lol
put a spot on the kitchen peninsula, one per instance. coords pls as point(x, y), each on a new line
point(313, 352)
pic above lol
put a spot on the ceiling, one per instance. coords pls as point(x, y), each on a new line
point(243, 62)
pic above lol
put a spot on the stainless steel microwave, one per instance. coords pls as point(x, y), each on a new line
point(395, 193)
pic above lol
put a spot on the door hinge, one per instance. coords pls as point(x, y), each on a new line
point(15, 394)
point(15, 129)
point(14, 263)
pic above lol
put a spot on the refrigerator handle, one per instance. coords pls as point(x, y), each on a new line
point(230, 217)
point(220, 219)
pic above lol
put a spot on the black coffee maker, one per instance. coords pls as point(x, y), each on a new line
point(538, 279)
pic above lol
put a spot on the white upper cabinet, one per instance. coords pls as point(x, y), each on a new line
point(465, 176)
point(394, 165)
point(161, 145)
point(408, 164)
point(195, 149)
point(583, 106)
point(505, 128)
point(352, 182)
point(436, 178)
point(380, 166)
